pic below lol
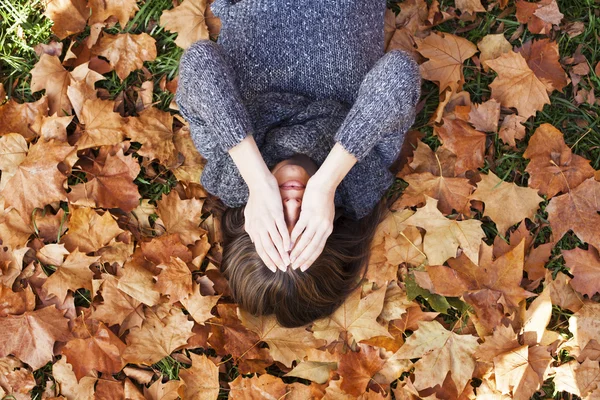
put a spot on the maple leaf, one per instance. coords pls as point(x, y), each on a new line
point(100, 350)
point(25, 118)
point(577, 210)
point(13, 151)
point(37, 181)
point(357, 368)
point(193, 163)
point(499, 196)
point(73, 274)
point(543, 58)
point(313, 370)
point(285, 344)
point(127, 52)
point(585, 324)
point(48, 73)
point(444, 236)
point(578, 379)
point(356, 316)
point(522, 370)
point(63, 374)
point(512, 129)
point(446, 55)
point(187, 20)
point(585, 268)
point(491, 47)
point(31, 335)
point(201, 380)
point(103, 126)
point(89, 231)
point(175, 279)
point(553, 168)
point(440, 351)
point(516, 85)
point(69, 16)
point(123, 10)
point(138, 282)
point(470, 6)
point(118, 307)
point(461, 139)
point(484, 117)
point(16, 303)
point(111, 184)
point(55, 127)
point(442, 162)
point(539, 17)
point(257, 387)
point(158, 337)
point(181, 216)
point(154, 130)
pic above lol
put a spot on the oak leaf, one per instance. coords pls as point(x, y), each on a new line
point(187, 20)
point(357, 369)
point(500, 196)
point(123, 10)
point(440, 352)
point(37, 181)
point(127, 52)
point(577, 210)
point(31, 335)
point(356, 316)
point(516, 85)
point(446, 55)
point(73, 274)
point(553, 168)
point(158, 337)
point(89, 231)
point(201, 380)
point(181, 216)
point(444, 236)
point(467, 143)
point(285, 344)
point(585, 268)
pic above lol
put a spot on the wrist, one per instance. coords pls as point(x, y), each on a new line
point(335, 167)
point(250, 163)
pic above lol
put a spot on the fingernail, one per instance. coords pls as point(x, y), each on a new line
point(304, 268)
point(291, 246)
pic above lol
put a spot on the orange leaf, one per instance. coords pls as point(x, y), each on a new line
point(127, 52)
point(187, 20)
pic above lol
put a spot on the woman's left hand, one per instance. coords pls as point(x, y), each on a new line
point(315, 223)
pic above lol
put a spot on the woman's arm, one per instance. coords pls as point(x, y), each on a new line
point(263, 214)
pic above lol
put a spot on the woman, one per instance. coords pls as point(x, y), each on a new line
point(298, 111)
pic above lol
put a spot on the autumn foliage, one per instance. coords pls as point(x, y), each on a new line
point(458, 298)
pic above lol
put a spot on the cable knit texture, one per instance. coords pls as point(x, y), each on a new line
point(291, 74)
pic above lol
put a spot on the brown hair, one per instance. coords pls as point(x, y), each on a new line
point(295, 297)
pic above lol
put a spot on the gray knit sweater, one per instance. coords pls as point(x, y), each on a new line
point(299, 75)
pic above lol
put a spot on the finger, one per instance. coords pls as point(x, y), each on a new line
point(278, 242)
point(285, 235)
point(271, 250)
point(263, 255)
point(298, 229)
point(305, 239)
point(312, 251)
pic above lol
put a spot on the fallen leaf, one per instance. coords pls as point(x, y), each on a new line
point(357, 368)
point(89, 231)
point(69, 16)
point(127, 52)
point(584, 265)
point(543, 58)
point(73, 274)
point(201, 380)
point(48, 73)
point(461, 139)
point(491, 47)
point(123, 10)
point(188, 21)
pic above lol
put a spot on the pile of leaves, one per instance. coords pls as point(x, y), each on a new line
point(484, 281)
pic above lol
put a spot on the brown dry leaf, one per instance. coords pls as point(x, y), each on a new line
point(512, 129)
point(446, 55)
point(444, 236)
point(174, 280)
point(439, 163)
point(138, 282)
point(181, 216)
point(55, 127)
point(578, 379)
point(89, 231)
point(492, 46)
point(69, 16)
point(73, 274)
point(540, 16)
point(69, 387)
point(126, 52)
point(356, 316)
point(16, 303)
point(13, 151)
point(544, 60)
point(199, 306)
point(584, 265)
point(37, 181)
point(123, 10)
point(285, 344)
point(461, 139)
point(109, 185)
point(201, 380)
point(154, 130)
point(31, 335)
point(357, 368)
point(103, 126)
point(193, 162)
point(118, 308)
point(516, 85)
point(187, 20)
point(470, 6)
point(553, 167)
point(98, 350)
point(484, 117)
point(25, 118)
point(158, 336)
point(577, 210)
point(48, 73)
point(440, 352)
point(257, 387)
point(522, 370)
point(585, 324)
point(500, 196)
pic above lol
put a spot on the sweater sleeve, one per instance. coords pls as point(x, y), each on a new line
point(385, 103)
point(208, 93)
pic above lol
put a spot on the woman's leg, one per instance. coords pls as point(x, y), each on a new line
point(384, 108)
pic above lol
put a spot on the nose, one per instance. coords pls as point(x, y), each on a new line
point(291, 211)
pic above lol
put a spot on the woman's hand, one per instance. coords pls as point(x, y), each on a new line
point(265, 224)
point(315, 223)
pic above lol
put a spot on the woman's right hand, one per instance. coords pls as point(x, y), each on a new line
point(265, 224)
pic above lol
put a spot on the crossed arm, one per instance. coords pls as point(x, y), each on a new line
point(263, 214)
